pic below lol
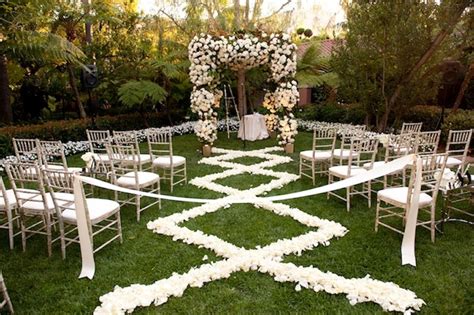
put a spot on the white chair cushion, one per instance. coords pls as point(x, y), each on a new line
point(341, 170)
point(144, 158)
point(61, 168)
point(11, 199)
point(164, 161)
point(318, 155)
point(36, 202)
point(99, 209)
point(399, 195)
point(144, 179)
point(345, 154)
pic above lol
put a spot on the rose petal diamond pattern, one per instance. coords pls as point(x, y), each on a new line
point(267, 259)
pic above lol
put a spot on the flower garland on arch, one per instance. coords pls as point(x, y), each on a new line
point(209, 55)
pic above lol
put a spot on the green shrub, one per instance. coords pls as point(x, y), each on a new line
point(331, 112)
point(427, 114)
point(75, 130)
point(460, 120)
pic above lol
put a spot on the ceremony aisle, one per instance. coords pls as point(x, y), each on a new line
point(443, 277)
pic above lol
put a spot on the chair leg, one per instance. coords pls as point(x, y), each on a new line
point(369, 193)
point(348, 198)
point(10, 230)
point(313, 170)
point(137, 203)
point(49, 236)
point(432, 225)
point(329, 182)
point(63, 240)
point(377, 211)
point(119, 226)
point(171, 178)
point(185, 174)
point(301, 165)
point(159, 192)
point(23, 233)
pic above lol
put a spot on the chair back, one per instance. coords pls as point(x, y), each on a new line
point(352, 132)
point(98, 139)
point(25, 149)
point(123, 159)
point(6, 298)
point(324, 139)
point(401, 145)
point(458, 144)
point(411, 128)
point(58, 183)
point(160, 143)
point(363, 151)
point(52, 154)
point(4, 196)
point(27, 183)
point(432, 166)
point(428, 142)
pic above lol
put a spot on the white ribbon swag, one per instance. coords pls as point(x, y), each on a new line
point(267, 259)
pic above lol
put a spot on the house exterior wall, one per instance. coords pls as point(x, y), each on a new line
point(305, 96)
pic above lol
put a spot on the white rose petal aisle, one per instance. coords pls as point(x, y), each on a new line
point(209, 55)
point(267, 259)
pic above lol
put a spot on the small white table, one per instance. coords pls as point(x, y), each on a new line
point(253, 128)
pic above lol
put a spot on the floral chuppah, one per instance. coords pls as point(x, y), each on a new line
point(209, 55)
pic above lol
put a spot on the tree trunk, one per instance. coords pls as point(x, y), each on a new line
point(241, 97)
point(88, 25)
point(237, 14)
point(75, 91)
point(456, 15)
point(464, 86)
point(6, 115)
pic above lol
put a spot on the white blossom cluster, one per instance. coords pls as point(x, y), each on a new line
point(267, 259)
point(287, 95)
point(271, 121)
point(282, 57)
point(206, 130)
point(209, 55)
point(203, 102)
point(288, 127)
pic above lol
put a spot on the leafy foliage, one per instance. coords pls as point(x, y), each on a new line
point(135, 93)
point(315, 70)
point(385, 39)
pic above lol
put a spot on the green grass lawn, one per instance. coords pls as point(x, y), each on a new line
point(443, 278)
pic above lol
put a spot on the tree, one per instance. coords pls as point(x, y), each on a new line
point(391, 44)
point(24, 30)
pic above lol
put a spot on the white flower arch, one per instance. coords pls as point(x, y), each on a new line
point(209, 55)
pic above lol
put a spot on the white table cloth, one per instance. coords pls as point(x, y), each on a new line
point(253, 128)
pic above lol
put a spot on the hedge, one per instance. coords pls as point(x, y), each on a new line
point(75, 130)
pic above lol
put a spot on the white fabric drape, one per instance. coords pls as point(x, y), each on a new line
point(408, 244)
point(253, 127)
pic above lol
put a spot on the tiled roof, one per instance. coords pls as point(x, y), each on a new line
point(326, 47)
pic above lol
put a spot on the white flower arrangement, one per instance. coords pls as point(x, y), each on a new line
point(267, 259)
point(288, 128)
point(271, 121)
point(210, 54)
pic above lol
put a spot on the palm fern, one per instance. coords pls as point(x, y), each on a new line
point(314, 70)
point(42, 48)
